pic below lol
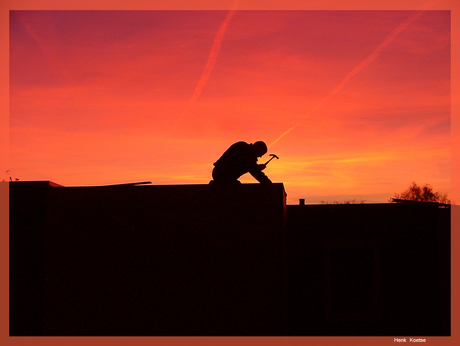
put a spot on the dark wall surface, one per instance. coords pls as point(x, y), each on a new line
point(211, 260)
point(151, 260)
point(373, 269)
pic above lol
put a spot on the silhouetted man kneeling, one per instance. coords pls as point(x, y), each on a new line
point(239, 159)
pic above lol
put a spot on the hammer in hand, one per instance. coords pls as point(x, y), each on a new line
point(272, 157)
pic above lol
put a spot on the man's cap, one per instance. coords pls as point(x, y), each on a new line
point(260, 147)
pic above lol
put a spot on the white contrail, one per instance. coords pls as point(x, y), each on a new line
point(55, 64)
point(357, 69)
point(211, 59)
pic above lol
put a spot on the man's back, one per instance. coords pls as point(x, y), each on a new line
point(237, 160)
point(239, 154)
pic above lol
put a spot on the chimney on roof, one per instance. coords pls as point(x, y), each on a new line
point(301, 201)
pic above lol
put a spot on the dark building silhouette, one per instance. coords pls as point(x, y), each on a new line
point(222, 260)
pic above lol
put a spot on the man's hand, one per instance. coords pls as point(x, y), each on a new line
point(262, 166)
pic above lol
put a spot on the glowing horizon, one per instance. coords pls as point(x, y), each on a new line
point(104, 97)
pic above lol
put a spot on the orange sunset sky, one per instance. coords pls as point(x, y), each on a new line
point(355, 103)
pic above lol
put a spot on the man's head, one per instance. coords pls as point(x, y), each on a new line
point(260, 148)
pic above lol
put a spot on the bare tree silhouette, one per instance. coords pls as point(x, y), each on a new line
point(421, 194)
point(349, 201)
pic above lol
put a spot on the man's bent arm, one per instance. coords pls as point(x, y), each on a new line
point(260, 177)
